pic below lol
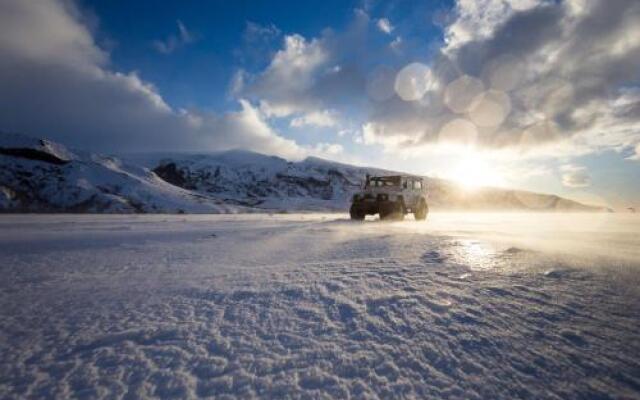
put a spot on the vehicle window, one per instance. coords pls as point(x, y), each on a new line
point(381, 182)
point(417, 185)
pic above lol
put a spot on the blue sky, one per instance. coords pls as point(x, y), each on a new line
point(532, 94)
point(197, 74)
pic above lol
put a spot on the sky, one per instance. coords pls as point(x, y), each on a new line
point(537, 95)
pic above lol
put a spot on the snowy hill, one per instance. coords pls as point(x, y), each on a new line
point(256, 180)
point(268, 182)
point(42, 176)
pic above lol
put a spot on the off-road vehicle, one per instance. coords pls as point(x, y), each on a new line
point(392, 197)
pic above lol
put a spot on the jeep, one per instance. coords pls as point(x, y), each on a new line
point(392, 197)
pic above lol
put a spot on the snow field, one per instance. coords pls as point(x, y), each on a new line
point(467, 306)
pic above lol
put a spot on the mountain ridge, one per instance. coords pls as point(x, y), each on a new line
point(38, 175)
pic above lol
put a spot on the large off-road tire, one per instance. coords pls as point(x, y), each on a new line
point(421, 212)
point(356, 213)
point(393, 211)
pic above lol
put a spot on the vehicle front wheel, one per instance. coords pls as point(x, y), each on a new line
point(356, 214)
point(421, 212)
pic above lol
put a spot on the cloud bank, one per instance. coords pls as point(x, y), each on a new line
point(527, 78)
point(523, 78)
point(57, 83)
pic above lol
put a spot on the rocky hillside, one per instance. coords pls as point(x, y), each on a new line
point(42, 176)
point(256, 180)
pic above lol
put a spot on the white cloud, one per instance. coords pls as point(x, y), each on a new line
point(328, 150)
point(532, 98)
point(236, 86)
point(257, 42)
point(384, 25)
point(574, 176)
point(248, 129)
point(55, 83)
point(373, 133)
point(478, 19)
point(413, 81)
point(396, 44)
point(636, 154)
point(548, 80)
point(323, 119)
point(291, 73)
point(47, 31)
point(175, 41)
point(311, 75)
point(256, 32)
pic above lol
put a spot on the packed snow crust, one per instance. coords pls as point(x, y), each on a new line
point(463, 306)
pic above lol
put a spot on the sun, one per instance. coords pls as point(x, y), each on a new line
point(474, 171)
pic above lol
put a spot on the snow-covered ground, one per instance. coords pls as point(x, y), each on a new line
point(469, 306)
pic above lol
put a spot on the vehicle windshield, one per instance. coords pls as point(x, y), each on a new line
point(383, 181)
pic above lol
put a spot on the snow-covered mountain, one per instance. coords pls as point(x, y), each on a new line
point(42, 176)
point(267, 182)
point(256, 180)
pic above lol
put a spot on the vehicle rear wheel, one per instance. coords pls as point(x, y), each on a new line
point(421, 212)
point(356, 213)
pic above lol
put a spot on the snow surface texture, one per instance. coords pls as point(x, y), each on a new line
point(41, 176)
point(463, 306)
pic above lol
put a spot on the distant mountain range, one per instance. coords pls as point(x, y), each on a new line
point(37, 175)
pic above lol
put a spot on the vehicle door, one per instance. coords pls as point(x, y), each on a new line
point(417, 191)
point(408, 192)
